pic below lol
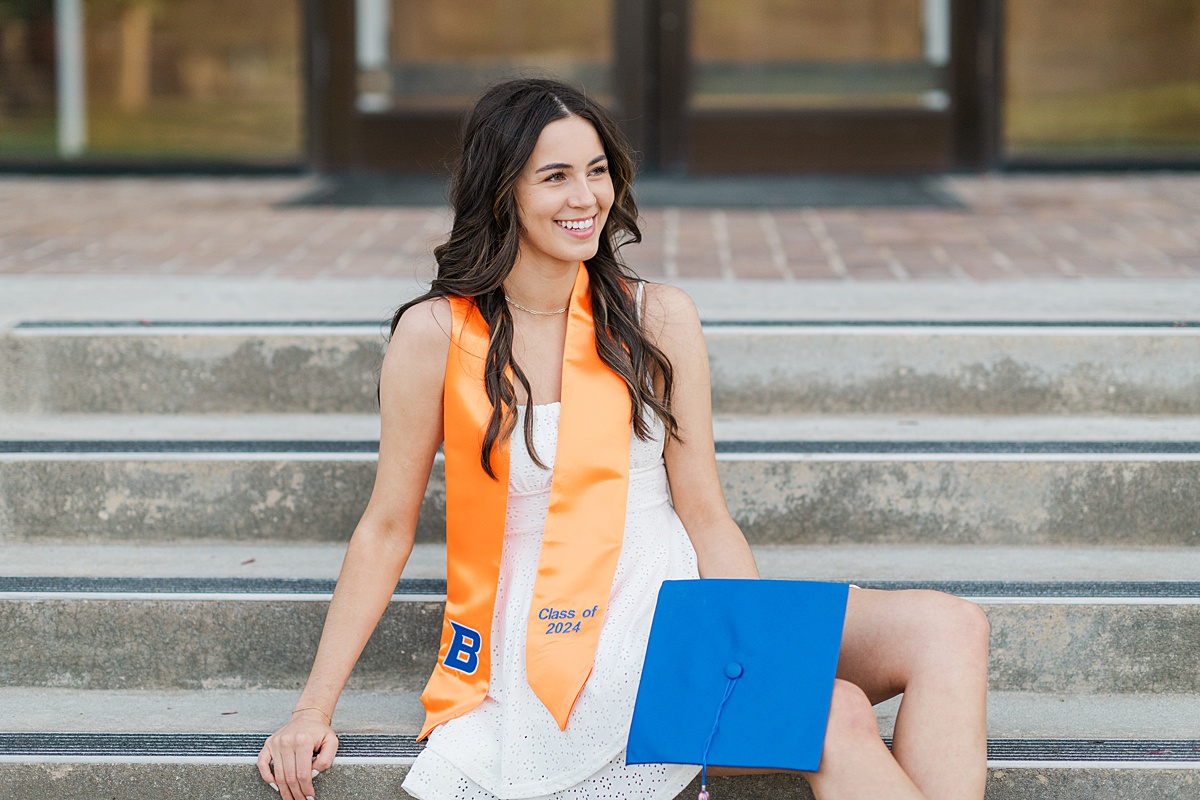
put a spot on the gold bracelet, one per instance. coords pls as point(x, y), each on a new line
point(318, 710)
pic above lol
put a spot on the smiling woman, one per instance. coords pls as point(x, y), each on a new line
point(558, 541)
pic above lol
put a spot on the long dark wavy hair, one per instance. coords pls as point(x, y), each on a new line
point(498, 139)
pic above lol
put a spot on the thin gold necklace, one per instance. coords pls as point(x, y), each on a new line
point(535, 313)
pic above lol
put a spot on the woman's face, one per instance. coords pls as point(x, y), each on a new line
point(564, 194)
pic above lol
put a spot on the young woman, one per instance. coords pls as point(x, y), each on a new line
point(573, 403)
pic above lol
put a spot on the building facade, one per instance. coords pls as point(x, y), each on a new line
point(700, 86)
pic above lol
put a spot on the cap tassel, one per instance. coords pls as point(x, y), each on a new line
point(733, 671)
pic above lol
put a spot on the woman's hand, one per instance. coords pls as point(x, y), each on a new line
point(296, 753)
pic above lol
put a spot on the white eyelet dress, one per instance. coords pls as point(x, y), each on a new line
point(509, 746)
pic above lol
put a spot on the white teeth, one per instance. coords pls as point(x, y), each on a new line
point(576, 225)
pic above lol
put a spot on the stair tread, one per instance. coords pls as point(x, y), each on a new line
point(874, 562)
point(216, 297)
point(727, 427)
point(1011, 715)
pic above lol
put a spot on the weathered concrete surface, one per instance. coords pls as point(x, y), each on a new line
point(966, 502)
point(248, 644)
point(919, 370)
point(197, 644)
point(382, 782)
point(29, 709)
point(1074, 648)
point(1093, 783)
point(1002, 502)
point(131, 500)
point(198, 373)
point(243, 297)
point(331, 427)
point(932, 371)
point(853, 563)
point(211, 781)
point(160, 500)
point(1011, 715)
point(1003, 784)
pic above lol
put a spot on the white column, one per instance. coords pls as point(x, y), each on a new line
point(936, 19)
point(72, 85)
point(371, 42)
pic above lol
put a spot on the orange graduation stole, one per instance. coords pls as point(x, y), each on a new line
point(584, 529)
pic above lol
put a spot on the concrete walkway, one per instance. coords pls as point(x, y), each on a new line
point(1012, 227)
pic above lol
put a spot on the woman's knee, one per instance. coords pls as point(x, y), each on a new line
point(966, 626)
point(851, 718)
point(953, 625)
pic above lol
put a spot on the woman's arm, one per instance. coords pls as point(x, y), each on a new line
point(672, 323)
point(410, 390)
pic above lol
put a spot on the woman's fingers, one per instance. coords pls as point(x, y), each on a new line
point(294, 755)
point(304, 771)
point(284, 777)
point(282, 767)
point(264, 766)
point(327, 749)
point(279, 774)
point(291, 757)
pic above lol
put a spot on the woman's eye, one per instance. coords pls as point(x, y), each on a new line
point(600, 170)
point(556, 176)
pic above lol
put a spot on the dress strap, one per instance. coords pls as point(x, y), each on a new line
point(637, 299)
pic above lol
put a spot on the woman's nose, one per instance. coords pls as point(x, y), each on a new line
point(582, 196)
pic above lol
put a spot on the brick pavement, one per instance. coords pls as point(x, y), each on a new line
point(1014, 227)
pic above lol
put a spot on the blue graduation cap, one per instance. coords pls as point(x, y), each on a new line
point(738, 673)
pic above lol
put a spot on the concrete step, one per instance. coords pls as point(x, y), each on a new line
point(380, 777)
point(156, 634)
point(64, 743)
point(203, 368)
point(330, 427)
point(254, 559)
point(29, 709)
point(1106, 481)
point(232, 298)
point(779, 366)
point(1011, 715)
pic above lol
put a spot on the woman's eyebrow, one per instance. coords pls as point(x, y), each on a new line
point(561, 165)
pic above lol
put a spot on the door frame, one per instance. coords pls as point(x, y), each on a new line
point(964, 136)
point(651, 72)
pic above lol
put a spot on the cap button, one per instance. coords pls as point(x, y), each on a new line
point(733, 670)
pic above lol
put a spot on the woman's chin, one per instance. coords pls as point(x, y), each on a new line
point(580, 253)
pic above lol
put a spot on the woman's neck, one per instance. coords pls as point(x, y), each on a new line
point(541, 287)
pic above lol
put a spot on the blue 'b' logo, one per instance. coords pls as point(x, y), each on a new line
point(464, 649)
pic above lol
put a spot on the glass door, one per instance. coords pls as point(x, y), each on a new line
point(825, 85)
point(417, 65)
point(439, 55)
point(700, 86)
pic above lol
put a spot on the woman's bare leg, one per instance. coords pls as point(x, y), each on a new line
point(855, 762)
point(933, 648)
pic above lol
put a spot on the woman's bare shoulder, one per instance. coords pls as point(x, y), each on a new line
point(668, 311)
point(427, 322)
point(421, 339)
